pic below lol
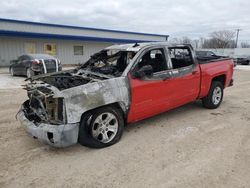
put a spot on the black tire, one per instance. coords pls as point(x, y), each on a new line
point(208, 101)
point(88, 125)
point(29, 73)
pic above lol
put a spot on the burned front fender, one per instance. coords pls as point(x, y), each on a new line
point(93, 95)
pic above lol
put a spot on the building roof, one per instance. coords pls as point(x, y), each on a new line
point(18, 28)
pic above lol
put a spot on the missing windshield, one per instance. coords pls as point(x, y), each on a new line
point(109, 62)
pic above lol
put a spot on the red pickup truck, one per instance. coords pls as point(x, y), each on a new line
point(118, 85)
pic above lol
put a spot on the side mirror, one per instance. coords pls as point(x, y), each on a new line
point(146, 70)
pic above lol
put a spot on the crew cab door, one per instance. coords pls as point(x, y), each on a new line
point(175, 81)
point(149, 93)
point(186, 75)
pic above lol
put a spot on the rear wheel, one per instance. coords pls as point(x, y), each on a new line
point(101, 128)
point(29, 73)
point(214, 97)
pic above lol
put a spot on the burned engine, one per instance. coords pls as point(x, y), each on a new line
point(42, 107)
point(65, 80)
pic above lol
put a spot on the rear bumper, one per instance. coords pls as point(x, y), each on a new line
point(55, 135)
point(48, 70)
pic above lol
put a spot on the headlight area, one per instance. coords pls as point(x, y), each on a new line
point(44, 117)
point(41, 109)
point(55, 110)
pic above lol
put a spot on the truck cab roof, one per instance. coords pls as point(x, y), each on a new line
point(135, 47)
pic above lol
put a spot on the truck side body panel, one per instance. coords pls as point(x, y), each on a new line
point(214, 69)
point(149, 98)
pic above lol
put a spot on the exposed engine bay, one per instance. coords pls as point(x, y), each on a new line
point(102, 65)
point(66, 80)
point(42, 105)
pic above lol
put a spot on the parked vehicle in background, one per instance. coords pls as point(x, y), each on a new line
point(242, 59)
point(118, 85)
point(209, 55)
point(206, 54)
point(34, 64)
point(201, 53)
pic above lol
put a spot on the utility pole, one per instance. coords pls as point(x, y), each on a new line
point(237, 37)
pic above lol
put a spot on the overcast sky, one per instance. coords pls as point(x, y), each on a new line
point(192, 18)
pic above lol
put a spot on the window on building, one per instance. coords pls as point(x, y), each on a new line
point(78, 50)
point(30, 47)
point(50, 48)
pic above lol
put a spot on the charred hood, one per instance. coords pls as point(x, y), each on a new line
point(67, 79)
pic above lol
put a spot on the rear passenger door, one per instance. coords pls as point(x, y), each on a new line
point(185, 75)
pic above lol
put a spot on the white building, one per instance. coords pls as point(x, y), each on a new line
point(71, 44)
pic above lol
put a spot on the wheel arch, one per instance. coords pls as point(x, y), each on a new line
point(118, 105)
point(207, 83)
point(220, 78)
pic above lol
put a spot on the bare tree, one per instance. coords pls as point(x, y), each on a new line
point(186, 40)
point(196, 43)
point(201, 42)
point(245, 45)
point(183, 40)
point(220, 39)
point(174, 40)
point(217, 39)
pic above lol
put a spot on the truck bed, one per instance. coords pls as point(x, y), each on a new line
point(204, 60)
point(222, 67)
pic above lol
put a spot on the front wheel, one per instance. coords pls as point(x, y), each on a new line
point(101, 128)
point(214, 97)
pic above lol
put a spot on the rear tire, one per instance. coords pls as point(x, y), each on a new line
point(29, 73)
point(214, 97)
point(101, 128)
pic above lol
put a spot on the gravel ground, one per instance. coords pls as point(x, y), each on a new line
point(242, 67)
point(186, 147)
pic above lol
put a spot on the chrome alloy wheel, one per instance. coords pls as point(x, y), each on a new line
point(28, 73)
point(217, 95)
point(105, 127)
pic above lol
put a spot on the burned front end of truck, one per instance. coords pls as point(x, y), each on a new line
point(44, 113)
point(57, 101)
